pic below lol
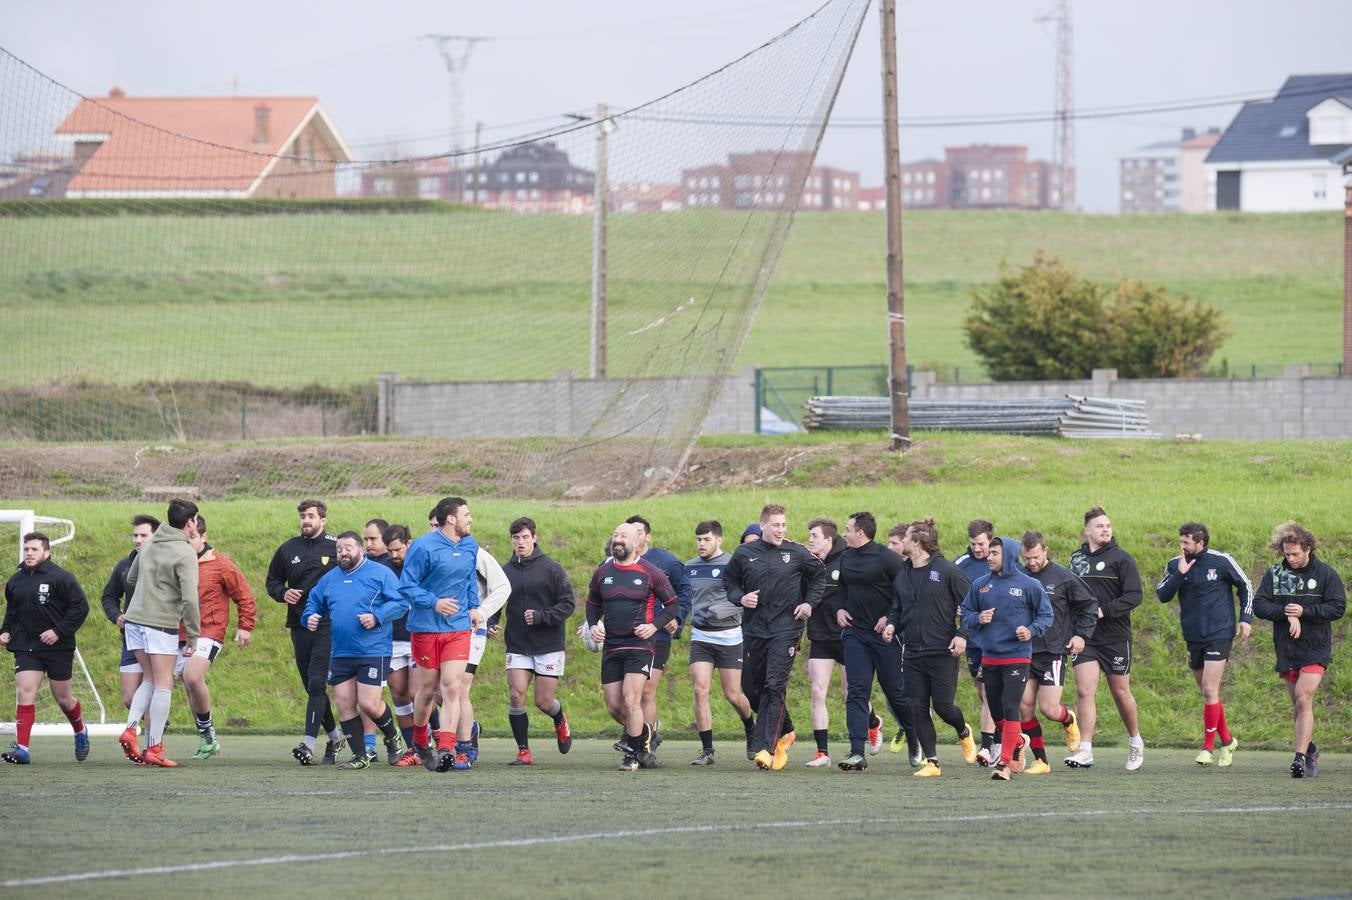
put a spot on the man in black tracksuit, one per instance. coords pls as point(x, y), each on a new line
point(1206, 582)
point(1113, 579)
point(534, 618)
point(295, 568)
point(115, 599)
point(1075, 616)
point(778, 583)
point(926, 595)
point(1302, 597)
point(867, 570)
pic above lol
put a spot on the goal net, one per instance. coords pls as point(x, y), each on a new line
point(229, 269)
point(14, 524)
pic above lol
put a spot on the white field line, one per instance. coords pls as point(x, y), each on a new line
point(292, 859)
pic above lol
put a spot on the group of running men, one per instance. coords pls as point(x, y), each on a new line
point(383, 609)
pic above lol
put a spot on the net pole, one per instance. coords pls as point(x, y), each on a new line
point(599, 238)
point(896, 317)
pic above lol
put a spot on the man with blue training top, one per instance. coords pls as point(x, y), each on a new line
point(1005, 610)
point(440, 583)
point(361, 600)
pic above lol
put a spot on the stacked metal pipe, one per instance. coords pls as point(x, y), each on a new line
point(1068, 416)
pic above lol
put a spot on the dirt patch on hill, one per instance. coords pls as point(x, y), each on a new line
point(424, 466)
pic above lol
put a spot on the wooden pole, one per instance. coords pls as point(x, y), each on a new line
point(598, 323)
point(897, 382)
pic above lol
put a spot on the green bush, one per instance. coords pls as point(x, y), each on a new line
point(1044, 321)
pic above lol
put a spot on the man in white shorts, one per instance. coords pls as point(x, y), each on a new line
point(493, 591)
point(537, 610)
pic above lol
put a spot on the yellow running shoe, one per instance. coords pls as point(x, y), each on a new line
point(928, 770)
point(1225, 754)
point(1204, 758)
point(1038, 767)
point(781, 757)
point(764, 760)
point(898, 743)
point(968, 746)
point(1072, 732)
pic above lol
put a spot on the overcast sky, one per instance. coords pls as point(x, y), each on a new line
point(386, 89)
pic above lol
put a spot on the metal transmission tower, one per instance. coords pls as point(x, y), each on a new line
point(1063, 126)
point(455, 50)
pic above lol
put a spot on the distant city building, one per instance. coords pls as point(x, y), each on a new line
point(202, 147)
point(1197, 186)
point(1280, 155)
point(533, 178)
point(1153, 179)
point(644, 197)
point(978, 176)
point(765, 180)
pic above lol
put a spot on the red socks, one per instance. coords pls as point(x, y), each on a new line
point(1221, 729)
point(1065, 717)
point(420, 735)
point(75, 718)
point(1213, 723)
point(23, 720)
point(1010, 737)
point(1033, 729)
point(446, 740)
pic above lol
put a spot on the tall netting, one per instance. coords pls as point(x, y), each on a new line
point(189, 285)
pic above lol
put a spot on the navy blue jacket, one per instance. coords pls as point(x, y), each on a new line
point(1206, 596)
point(674, 569)
point(1017, 599)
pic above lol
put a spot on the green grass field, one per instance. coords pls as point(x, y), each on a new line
point(289, 301)
point(253, 823)
point(1239, 489)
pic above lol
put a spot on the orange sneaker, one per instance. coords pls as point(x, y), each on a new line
point(781, 754)
point(522, 758)
point(154, 756)
point(129, 745)
point(564, 734)
point(409, 759)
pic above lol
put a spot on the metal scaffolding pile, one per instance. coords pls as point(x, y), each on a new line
point(1068, 416)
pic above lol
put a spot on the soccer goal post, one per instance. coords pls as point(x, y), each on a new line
point(50, 721)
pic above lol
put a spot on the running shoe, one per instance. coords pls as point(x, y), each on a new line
point(130, 748)
point(781, 758)
point(408, 760)
point(1019, 759)
point(429, 758)
point(331, 750)
point(563, 734)
point(303, 755)
point(764, 760)
point(394, 749)
point(1312, 762)
point(522, 758)
point(1000, 773)
point(360, 761)
point(1038, 767)
point(17, 756)
point(207, 748)
point(898, 742)
point(1205, 758)
point(154, 756)
point(751, 743)
point(461, 761)
point(1298, 766)
point(929, 770)
point(875, 740)
point(705, 758)
point(473, 752)
point(445, 759)
point(1080, 759)
point(917, 757)
point(646, 760)
point(1072, 734)
point(629, 763)
point(82, 744)
point(822, 758)
point(1225, 753)
point(1135, 756)
point(983, 757)
point(968, 745)
point(855, 762)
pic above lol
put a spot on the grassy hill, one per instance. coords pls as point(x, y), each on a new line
point(1239, 489)
point(294, 300)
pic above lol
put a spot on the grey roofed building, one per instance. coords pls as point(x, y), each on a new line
point(1277, 129)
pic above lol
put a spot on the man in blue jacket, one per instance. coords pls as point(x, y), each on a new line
point(1206, 582)
point(441, 586)
point(1005, 610)
point(361, 600)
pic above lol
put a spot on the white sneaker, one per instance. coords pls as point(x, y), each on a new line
point(819, 761)
point(1135, 756)
point(1081, 759)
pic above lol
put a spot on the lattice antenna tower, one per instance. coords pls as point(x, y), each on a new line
point(455, 50)
point(1063, 125)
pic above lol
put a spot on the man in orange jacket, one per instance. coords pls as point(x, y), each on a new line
point(219, 583)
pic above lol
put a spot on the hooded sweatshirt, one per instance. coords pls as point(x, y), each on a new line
point(163, 583)
point(1018, 600)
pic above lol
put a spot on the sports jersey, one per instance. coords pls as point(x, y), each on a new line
point(626, 596)
point(1206, 595)
point(435, 567)
point(343, 596)
point(713, 618)
point(1074, 609)
point(298, 564)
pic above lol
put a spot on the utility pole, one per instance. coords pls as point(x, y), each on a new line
point(897, 383)
point(455, 50)
point(599, 224)
point(1063, 126)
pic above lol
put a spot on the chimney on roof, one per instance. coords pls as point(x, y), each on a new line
point(1189, 133)
point(262, 123)
point(116, 93)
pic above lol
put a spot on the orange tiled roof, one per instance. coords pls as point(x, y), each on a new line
point(216, 152)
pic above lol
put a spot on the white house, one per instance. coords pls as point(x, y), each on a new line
point(1279, 155)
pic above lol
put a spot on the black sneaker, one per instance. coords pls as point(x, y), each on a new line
point(705, 758)
point(855, 762)
point(303, 755)
point(647, 760)
point(1298, 766)
point(622, 745)
point(394, 749)
point(629, 763)
point(428, 757)
point(331, 752)
point(445, 759)
point(1312, 762)
point(750, 744)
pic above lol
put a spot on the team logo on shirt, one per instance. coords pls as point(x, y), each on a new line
point(713, 573)
point(835, 575)
point(638, 581)
point(984, 589)
point(1016, 592)
point(323, 560)
point(785, 557)
point(295, 561)
point(1311, 584)
point(607, 580)
point(1099, 567)
point(934, 576)
point(1212, 575)
point(42, 593)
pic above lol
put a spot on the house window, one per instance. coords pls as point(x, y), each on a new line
point(714, 199)
point(1320, 185)
point(534, 177)
point(906, 196)
point(905, 177)
point(1287, 131)
point(929, 177)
